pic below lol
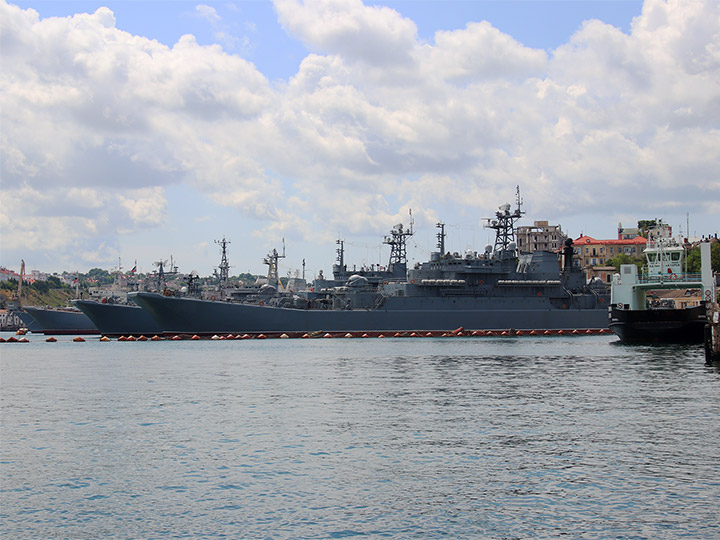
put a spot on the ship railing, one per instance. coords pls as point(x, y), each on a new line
point(669, 278)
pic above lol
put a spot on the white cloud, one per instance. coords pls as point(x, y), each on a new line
point(98, 124)
point(208, 12)
point(145, 207)
point(359, 33)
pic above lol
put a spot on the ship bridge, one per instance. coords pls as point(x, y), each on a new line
point(629, 289)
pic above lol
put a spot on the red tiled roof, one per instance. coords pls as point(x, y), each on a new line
point(589, 240)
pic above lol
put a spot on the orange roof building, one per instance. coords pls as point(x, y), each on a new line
point(591, 252)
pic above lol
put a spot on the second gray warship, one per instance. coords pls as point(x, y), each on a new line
point(493, 290)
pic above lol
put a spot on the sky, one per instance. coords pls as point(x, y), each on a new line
point(135, 131)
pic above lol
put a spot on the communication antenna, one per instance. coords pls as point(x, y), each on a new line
point(504, 223)
point(440, 237)
point(272, 261)
point(161, 284)
point(398, 242)
point(224, 268)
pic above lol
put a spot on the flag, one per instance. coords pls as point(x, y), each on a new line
point(75, 280)
point(134, 269)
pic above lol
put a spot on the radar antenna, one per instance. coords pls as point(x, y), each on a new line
point(504, 223)
point(440, 237)
point(223, 271)
point(398, 242)
point(340, 253)
point(272, 261)
point(161, 285)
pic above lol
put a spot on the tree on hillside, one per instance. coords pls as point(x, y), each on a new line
point(10, 285)
point(644, 225)
point(693, 258)
point(103, 277)
point(624, 258)
point(55, 283)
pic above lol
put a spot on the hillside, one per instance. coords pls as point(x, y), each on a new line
point(51, 297)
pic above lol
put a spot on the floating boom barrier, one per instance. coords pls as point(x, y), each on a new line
point(458, 332)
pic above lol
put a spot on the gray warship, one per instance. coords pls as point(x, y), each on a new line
point(49, 320)
point(61, 321)
point(497, 289)
point(114, 316)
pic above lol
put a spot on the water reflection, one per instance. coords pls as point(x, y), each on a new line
point(462, 438)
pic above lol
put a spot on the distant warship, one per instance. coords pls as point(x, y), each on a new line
point(495, 289)
point(61, 321)
point(114, 316)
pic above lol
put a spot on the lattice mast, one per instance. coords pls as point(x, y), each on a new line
point(223, 271)
point(398, 243)
point(440, 237)
point(504, 223)
point(272, 261)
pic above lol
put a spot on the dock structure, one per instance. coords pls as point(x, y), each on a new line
point(712, 333)
point(634, 319)
point(665, 272)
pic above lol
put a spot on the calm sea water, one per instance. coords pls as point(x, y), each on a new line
point(498, 438)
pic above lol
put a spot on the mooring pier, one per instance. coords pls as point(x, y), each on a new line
point(712, 333)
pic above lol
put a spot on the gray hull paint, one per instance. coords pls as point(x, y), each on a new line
point(116, 320)
point(492, 290)
point(193, 316)
point(29, 323)
point(62, 321)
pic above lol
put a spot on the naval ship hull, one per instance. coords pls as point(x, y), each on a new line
point(115, 320)
point(28, 322)
point(659, 325)
point(178, 315)
point(62, 321)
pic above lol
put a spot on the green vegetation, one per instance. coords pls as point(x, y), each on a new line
point(98, 275)
point(40, 293)
point(644, 225)
point(693, 258)
point(623, 258)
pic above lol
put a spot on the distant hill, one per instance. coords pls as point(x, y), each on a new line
point(36, 295)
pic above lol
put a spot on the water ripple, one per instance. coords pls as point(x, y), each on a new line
point(573, 437)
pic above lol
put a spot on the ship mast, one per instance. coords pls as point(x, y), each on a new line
point(272, 261)
point(224, 268)
point(160, 275)
point(441, 237)
point(398, 243)
point(340, 254)
point(504, 223)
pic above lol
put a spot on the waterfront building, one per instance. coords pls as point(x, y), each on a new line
point(627, 233)
point(540, 236)
point(592, 254)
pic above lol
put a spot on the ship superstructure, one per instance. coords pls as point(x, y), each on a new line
point(634, 319)
point(493, 289)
